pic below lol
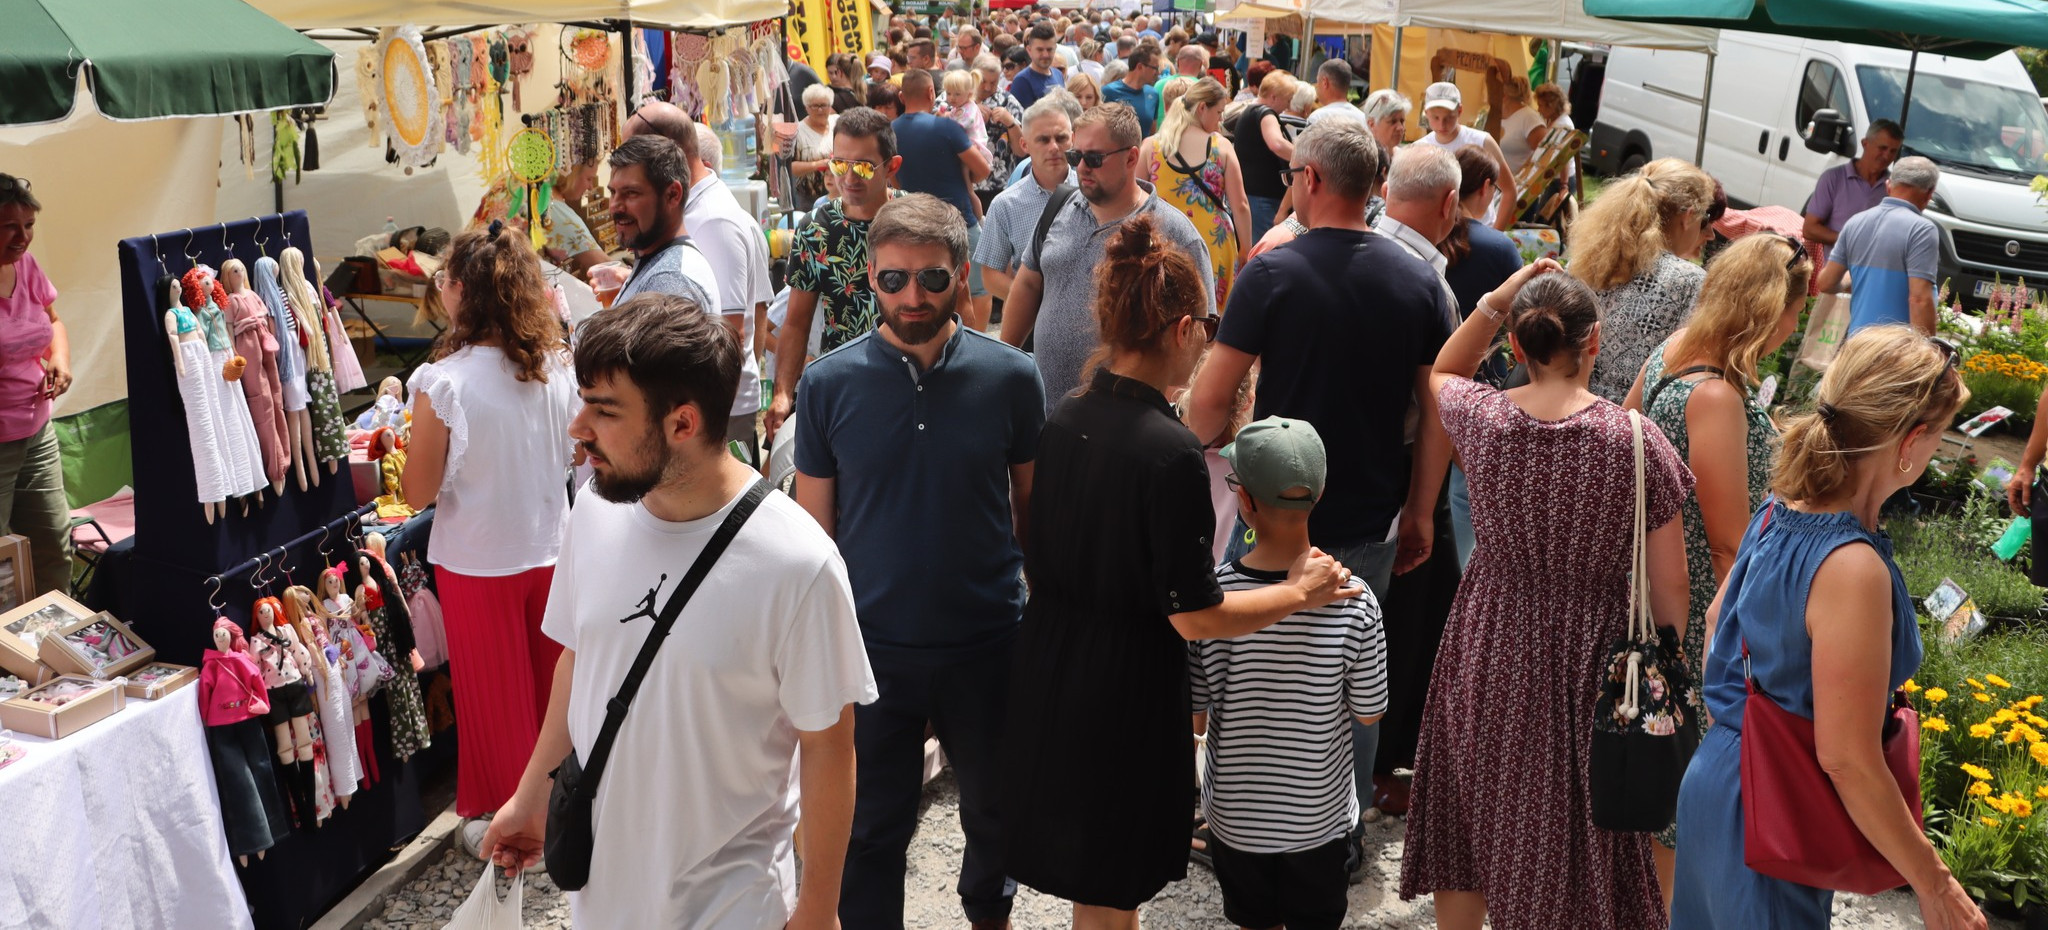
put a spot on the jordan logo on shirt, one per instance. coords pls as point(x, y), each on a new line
point(646, 603)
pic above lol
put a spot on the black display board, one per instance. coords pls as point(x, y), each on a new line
point(164, 595)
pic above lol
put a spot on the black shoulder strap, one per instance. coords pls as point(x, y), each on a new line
point(615, 710)
point(1650, 400)
point(1053, 205)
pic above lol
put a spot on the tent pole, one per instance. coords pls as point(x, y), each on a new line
point(1699, 153)
point(625, 30)
point(1308, 41)
point(1394, 74)
point(1906, 102)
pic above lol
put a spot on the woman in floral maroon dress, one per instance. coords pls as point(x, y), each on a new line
point(1500, 820)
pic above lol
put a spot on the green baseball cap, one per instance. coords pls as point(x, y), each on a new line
point(1276, 454)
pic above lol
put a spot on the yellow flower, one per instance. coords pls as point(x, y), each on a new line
point(1910, 686)
point(1997, 681)
point(1989, 821)
point(1974, 683)
point(2039, 751)
point(1982, 698)
point(1937, 695)
point(1982, 730)
point(1980, 789)
point(1977, 772)
point(2034, 700)
point(2041, 792)
point(2002, 805)
point(2006, 715)
point(1936, 724)
point(2021, 807)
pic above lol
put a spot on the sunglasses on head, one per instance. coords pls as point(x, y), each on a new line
point(1208, 323)
point(1798, 252)
point(1075, 157)
point(860, 168)
point(1949, 356)
point(13, 183)
point(932, 280)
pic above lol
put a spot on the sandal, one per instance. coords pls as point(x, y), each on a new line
point(1199, 843)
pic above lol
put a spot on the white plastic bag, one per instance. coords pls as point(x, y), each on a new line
point(485, 910)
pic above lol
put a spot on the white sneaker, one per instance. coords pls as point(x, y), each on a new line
point(471, 834)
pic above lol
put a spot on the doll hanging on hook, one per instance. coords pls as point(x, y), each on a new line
point(331, 694)
point(285, 663)
point(242, 461)
point(233, 701)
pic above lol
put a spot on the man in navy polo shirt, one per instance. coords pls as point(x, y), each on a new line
point(1032, 83)
point(914, 452)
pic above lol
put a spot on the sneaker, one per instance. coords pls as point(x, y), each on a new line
point(471, 835)
point(1354, 857)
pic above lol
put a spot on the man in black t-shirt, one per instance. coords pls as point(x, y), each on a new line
point(1347, 325)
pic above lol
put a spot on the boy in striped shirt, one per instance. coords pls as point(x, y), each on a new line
point(1276, 705)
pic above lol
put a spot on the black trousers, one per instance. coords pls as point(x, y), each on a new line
point(249, 806)
point(1417, 608)
point(965, 699)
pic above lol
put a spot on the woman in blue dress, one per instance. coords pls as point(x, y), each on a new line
point(1830, 629)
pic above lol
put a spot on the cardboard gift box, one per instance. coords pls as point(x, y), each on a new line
point(158, 679)
point(98, 646)
point(64, 706)
point(23, 629)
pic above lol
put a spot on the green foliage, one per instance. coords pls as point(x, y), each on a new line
point(2036, 61)
point(1957, 546)
point(1983, 782)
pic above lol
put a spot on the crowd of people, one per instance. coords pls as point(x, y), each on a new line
point(1192, 457)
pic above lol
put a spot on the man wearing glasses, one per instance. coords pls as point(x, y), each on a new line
point(828, 280)
point(966, 45)
point(1053, 294)
point(914, 452)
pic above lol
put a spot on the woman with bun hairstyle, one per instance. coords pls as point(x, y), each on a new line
point(490, 444)
point(1819, 606)
point(1699, 387)
point(1551, 470)
point(1626, 248)
point(1100, 778)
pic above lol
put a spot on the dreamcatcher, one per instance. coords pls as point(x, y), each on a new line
point(460, 111)
point(531, 157)
point(590, 49)
point(518, 62)
point(410, 105)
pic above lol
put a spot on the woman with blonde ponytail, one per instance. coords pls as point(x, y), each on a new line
point(1626, 247)
point(1699, 388)
point(1099, 782)
point(1192, 167)
point(323, 427)
point(1815, 610)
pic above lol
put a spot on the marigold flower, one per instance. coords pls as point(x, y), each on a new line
point(1997, 681)
point(1936, 724)
point(2005, 715)
point(2021, 807)
point(1974, 683)
point(1982, 698)
point(1976, 771)
point(1982, 730)
point(2039, 751)
point(1989, 821)
point(2041, 792)
point(1910, 686)
point(1979, 789)
point(1937, 695)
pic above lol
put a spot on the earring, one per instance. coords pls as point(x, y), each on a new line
point(1905, 466)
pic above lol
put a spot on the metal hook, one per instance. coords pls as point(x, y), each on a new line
point(213, 597)
point(262, 241)
point(190, 258)
point(256, 574)
point(158, 249)
point(224, 246)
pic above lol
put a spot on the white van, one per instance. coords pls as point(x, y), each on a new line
point(1981, 121)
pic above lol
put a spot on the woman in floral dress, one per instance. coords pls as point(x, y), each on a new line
point(1190, 166)
point(1500, 820)
point(1627, 249)
point(1700, 385)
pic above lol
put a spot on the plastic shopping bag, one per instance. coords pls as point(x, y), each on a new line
point(485, 910)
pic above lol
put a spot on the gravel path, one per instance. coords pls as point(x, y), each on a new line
point(428, 900)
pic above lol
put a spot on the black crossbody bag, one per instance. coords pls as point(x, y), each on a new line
point(572, 827)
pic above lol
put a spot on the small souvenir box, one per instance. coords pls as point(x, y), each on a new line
point(158, 679)
point(23, 629)
point(98, 646)
point(63, 707)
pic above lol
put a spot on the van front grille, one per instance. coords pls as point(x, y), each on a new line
point(1990, 250)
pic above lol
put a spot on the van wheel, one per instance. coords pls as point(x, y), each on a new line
point(1633, 160)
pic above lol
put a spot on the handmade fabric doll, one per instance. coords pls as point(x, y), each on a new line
point(391, 625)
point(198, 382)
point(389, 454)
point(291, 368)
point(330, 441)
point(232, 701)
point(348, 370)
point(285, 663)
point(244, 460)
point(389, 408)
point(428, 629)
point(365, 671)
point(250, 320)
point(337, 721)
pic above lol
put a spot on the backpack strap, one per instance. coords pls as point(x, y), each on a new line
point(1650, 400)
point(1053, 205)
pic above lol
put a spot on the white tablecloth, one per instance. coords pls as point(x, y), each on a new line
point(118, 826)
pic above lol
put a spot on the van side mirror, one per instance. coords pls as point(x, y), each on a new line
point(1830, 134)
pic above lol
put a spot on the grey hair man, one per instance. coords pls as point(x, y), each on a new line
point(1376, 515)
point(1013, 215)
point(1892, 252)
point(1333, 93)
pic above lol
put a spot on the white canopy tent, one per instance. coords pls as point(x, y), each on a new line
point(677, 14)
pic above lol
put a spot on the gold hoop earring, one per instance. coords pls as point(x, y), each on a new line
point(1905, 466)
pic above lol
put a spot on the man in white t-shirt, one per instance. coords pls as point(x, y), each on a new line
point(1443, 105)
point(1333, 94)
point(696, 812)
point(731, 242)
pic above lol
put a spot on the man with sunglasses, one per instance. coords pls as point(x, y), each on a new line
point(914, 451)
point(1346, 325)
point(828, 280)
point(1053, 294)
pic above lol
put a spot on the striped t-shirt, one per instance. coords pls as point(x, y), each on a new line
point(1280, 703)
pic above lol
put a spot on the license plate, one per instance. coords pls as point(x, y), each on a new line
point(1984, 289)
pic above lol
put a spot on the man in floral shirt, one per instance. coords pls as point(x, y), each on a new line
point(1005, 118)
point(828, 275)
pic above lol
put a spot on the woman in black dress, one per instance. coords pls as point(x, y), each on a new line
point(1101, 773)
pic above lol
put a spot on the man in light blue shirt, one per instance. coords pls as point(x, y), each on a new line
point(1892, 253)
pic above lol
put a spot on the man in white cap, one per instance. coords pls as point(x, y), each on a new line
point(879, 68)
point(1443, 105)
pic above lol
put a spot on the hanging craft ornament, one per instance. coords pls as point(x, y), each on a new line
point(590, 49)
point(532, 157)
point(411, 107)
point(518, 62)
point(284, 153)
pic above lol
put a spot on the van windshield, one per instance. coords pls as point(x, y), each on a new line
point(1972, 124)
